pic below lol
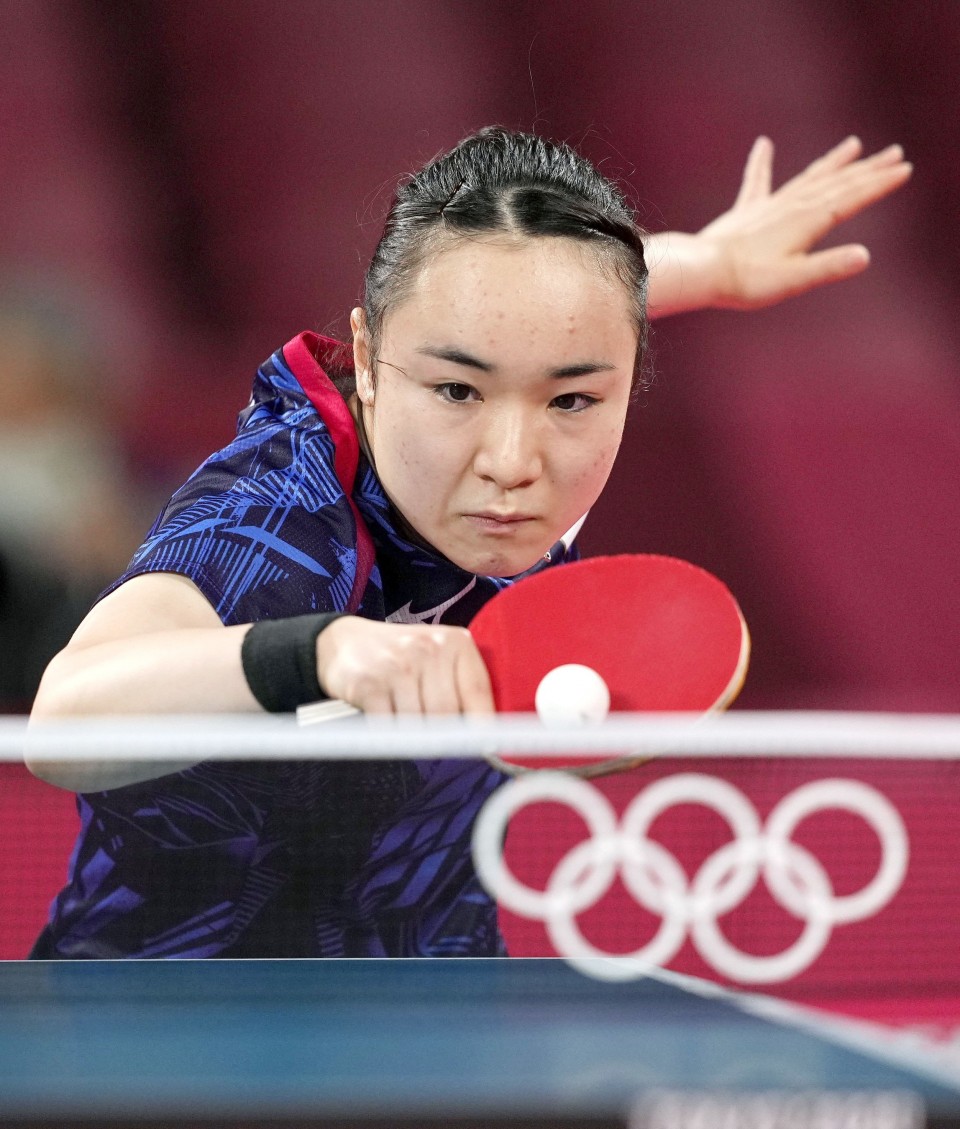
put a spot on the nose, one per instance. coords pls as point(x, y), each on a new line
point(509, 451)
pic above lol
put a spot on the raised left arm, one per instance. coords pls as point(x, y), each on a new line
point(761, 250)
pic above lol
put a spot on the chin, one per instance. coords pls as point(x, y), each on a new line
point(496, 564)
point(491, 556)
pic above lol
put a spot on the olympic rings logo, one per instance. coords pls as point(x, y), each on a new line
point(655, 878)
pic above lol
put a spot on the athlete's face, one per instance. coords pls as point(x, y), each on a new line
point(496, 406)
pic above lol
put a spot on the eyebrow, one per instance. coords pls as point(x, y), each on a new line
point(459, 357)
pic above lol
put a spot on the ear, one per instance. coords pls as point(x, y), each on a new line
point(362, 360)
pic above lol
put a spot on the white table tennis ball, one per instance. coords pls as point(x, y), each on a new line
point(572, 694)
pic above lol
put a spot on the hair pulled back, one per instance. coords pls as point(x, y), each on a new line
point(498, 180)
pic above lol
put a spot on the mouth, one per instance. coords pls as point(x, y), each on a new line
point(493, 521)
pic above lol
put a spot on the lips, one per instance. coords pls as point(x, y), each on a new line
point(493, 519)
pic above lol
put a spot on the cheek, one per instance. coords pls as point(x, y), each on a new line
point(397, 430)
point(400, 450)
point(416, 463)
point(590, 474)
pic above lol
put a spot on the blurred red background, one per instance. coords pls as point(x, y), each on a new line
point(197, 182)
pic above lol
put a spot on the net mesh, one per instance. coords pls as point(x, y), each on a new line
point(39, 827)
point(811, 856)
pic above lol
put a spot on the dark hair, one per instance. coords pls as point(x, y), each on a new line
point(498, 180)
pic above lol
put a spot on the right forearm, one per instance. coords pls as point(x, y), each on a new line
point(189, 670)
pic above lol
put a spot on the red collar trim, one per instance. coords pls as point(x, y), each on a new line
point(303, 355)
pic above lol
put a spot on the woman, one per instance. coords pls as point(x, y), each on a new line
point(363, 514)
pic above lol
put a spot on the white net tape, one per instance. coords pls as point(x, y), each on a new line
point(259, 737)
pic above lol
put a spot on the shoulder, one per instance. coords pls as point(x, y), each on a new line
point(268, 521)
point(296, 429)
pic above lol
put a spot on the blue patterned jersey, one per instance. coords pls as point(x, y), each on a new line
point(277, 859)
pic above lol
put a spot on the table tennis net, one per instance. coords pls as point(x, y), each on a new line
point(808, 855)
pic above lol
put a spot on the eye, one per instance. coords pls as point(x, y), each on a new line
point(455, 393)
point(573, 402)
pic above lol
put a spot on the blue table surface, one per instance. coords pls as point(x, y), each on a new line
point(356, 1038)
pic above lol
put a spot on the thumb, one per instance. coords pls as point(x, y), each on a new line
point(757, 173)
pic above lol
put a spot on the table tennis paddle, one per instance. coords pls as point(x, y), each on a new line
point(663, 634)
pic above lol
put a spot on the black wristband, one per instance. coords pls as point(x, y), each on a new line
point(279, 658)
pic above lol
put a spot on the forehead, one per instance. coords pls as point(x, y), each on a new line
point(543, 292)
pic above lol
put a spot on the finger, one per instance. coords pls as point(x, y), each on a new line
point(836, 158)
point(757, 172)
point(376, 702)
point(805, 272)
point(405, 694)
point(859, 192)
point(892, 155)
point(824, 174)
point(817, 211)
point(439, 693)
point(438, 684)
point(861, 171)
point(473, 682)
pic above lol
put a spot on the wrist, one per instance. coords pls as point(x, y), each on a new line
point(710, 263)
point(687, 272)
point(279, 660)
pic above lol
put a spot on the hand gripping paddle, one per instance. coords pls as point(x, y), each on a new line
point(663, 634)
